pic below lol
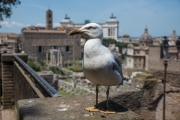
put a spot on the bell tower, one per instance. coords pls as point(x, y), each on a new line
point(49, 20)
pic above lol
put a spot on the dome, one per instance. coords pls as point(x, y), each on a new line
point(125, 35)
point(174, 37)
point(66, 20)
point(112, 19)
point(146, 36)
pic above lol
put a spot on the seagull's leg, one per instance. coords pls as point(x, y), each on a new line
point(95, 107)
point(107, 93)
point(96, 96)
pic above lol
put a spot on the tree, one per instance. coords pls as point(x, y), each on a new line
point(6, 8)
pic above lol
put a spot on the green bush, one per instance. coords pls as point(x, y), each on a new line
point(53, 69)
point(109, 40)
point(42, 63)
point(33, 65)
point(75, 68)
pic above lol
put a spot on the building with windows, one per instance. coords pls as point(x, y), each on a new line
point(110, 27)
point(11, 40)
point(37, 41)
point(137, 56)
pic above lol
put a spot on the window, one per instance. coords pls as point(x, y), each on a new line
point(67, 48)
point(111, 32)
point(39, 49)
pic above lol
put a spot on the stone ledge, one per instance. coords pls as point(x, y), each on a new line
point(9, 57)
point(70, 108)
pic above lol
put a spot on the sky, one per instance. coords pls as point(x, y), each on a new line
point(160, 16)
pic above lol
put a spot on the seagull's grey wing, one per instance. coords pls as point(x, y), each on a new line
point(116, 58)
point(117, 65)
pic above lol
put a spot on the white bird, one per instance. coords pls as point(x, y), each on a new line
point(100, 65)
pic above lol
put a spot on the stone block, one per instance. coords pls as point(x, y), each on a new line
point(70, 108)
point(9, 57)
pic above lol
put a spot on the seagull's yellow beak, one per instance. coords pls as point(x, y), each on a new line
point(74, 32)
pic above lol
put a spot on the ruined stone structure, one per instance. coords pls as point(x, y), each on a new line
point(38, 40)
point(54, 58)
point(137, 57)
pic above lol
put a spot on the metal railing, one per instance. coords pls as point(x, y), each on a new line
point(28, 84)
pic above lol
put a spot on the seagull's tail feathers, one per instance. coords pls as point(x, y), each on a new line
point(124, 79)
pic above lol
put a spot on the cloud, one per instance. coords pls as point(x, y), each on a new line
point(56, 24)
point(17, 24)
point(13, 24)
point(5, 23)
point(43, 25)
point(40, 24)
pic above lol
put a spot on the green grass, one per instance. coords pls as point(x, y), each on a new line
point(64, 93)
point(75, 68)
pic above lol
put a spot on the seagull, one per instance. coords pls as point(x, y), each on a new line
point(100, 65)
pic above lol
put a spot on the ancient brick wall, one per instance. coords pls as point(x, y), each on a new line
point(172, 78)
point(7, 79)
point(7, 84)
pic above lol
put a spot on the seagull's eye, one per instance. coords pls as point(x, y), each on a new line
point(90, 27)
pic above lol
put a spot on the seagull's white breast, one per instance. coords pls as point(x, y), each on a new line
point(97, 65)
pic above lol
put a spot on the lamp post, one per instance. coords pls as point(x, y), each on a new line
point(164, 100)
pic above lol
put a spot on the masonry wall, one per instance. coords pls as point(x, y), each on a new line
point(7, 84)
point(7, 79)
point(156, 62)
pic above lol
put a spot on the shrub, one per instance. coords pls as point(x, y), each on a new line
point(109, 40)
point(33, 65)
point(42, 63)
point(53, 69)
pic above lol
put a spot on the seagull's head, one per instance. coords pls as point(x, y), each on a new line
point(89, 31)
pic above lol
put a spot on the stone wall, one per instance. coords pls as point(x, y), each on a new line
point(156, 62)
point(147, 100)
point(7, 84)
point(72, 107)
point(7, 78)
